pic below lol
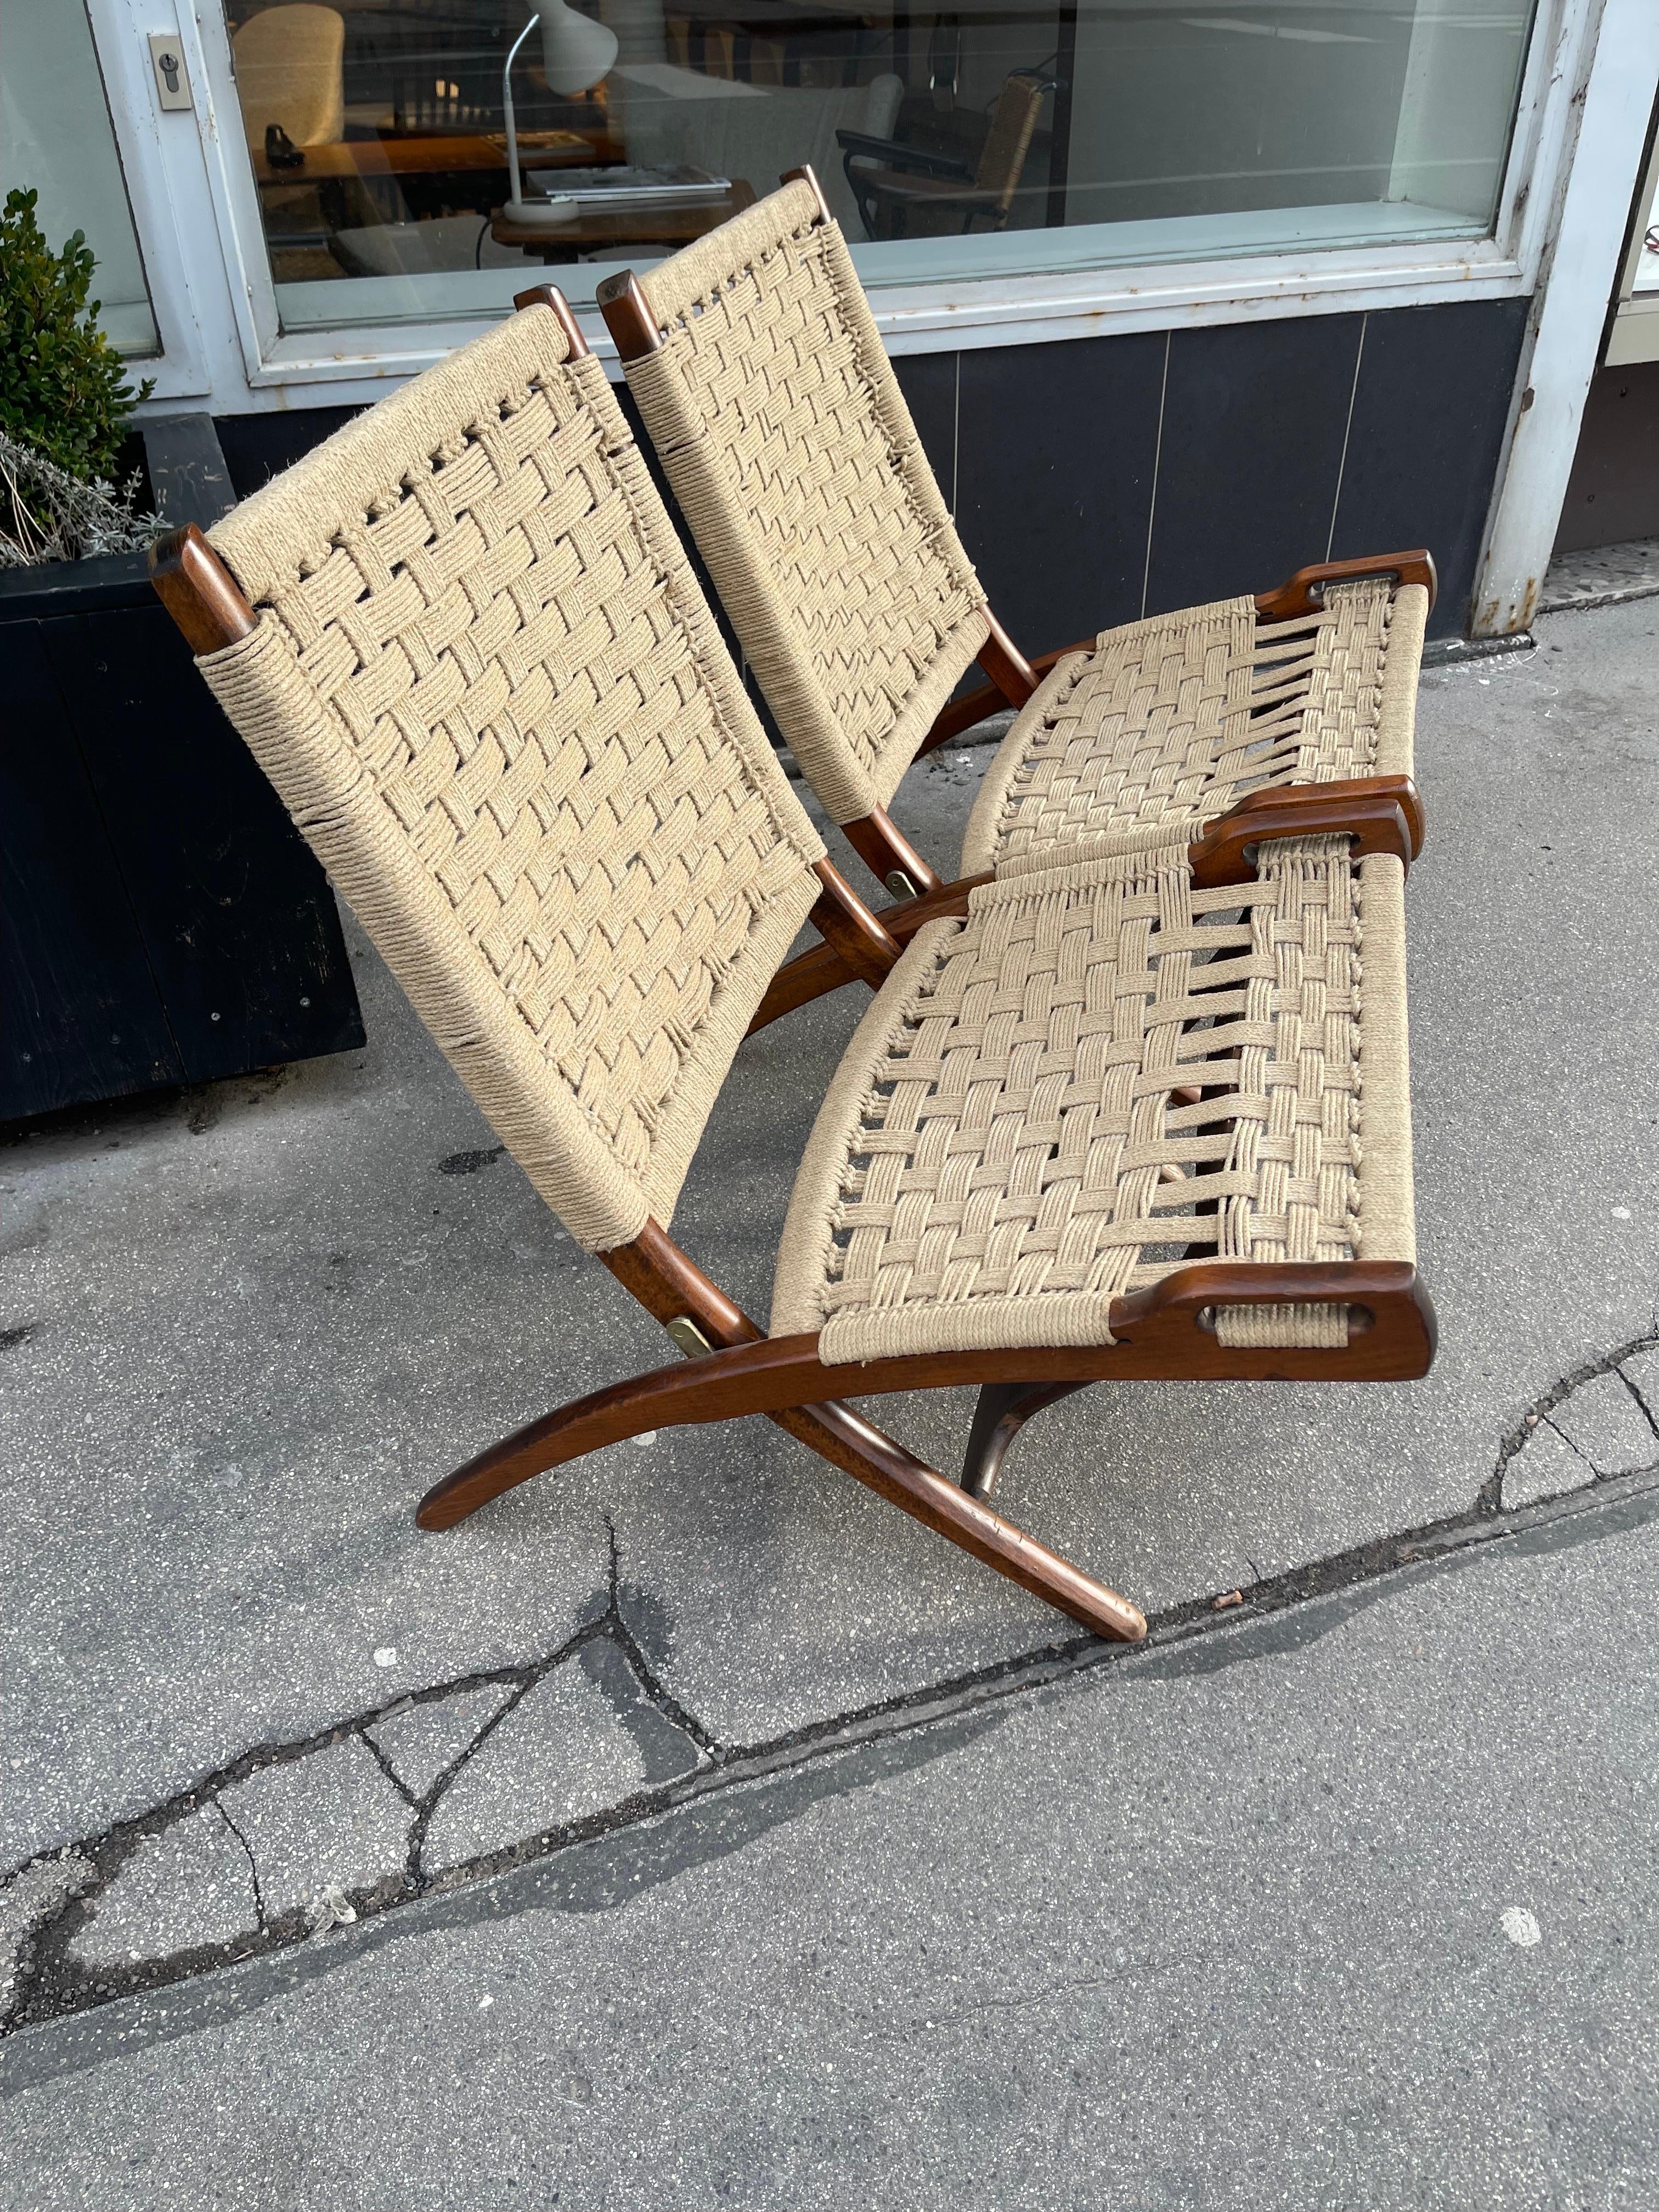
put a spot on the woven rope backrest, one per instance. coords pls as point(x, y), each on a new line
point(488, 689)
point(1007, 1147)
point(1013, 121)
point(792, 455)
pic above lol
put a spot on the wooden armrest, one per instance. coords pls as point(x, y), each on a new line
point(1304, 591)
point(1381, 813)
point(1170, 1328)
point(898, 155)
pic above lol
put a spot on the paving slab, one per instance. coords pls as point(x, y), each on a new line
point(332, 1822)
point(1545, 1466)
point(188, 1885)
point(569, 1746)
point(1601, 576)
point(1640, 1369)
point(421, 1742)
point(1348, 1905)
point(1606, 1424)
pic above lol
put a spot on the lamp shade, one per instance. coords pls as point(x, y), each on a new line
point(576, 49)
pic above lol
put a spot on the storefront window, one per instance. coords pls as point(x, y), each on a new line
point(1010, 136)
point(1646, 276)
point(56, 135)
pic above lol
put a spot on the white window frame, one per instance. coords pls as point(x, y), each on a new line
point(179, 368)
point(1633, 335)
point(195, 199)
point(1611, 78)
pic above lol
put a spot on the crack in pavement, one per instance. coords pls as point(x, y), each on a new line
point(51, 1985)
point(1537, 1414)
point(730, 1790)
point(1132, 1970)
point(612, 1859)
point(252, 1867)
point(1555, 1429)
point(426, 1805)
point(385, 1764)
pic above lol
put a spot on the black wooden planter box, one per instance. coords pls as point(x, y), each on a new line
point(160, 920)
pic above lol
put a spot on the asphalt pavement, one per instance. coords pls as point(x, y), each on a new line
point(690, 1828)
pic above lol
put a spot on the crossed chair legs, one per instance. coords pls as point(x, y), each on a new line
point(735, 1370)
point(711, 1329)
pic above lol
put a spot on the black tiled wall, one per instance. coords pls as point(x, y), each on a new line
point(1066, 477)
point(1096, 479)
point(257, 447)
point(1429, 406)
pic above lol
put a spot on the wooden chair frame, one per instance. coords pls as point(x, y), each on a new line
point(734, 1368)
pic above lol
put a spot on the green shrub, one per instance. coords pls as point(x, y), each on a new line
point(62, 383)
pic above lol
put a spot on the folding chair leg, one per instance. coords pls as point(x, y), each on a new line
point(845, 1438)
point(1001, 1413)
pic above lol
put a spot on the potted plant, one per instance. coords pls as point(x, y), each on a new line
point(161, 922)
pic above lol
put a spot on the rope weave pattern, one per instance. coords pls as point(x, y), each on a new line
point(1018, 1160)
point(1175, 718)
point(792, 454)
point(510, 689)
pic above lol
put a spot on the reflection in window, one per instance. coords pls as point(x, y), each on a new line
point(1647, 266)
point(55, 135)
point(1011, 134)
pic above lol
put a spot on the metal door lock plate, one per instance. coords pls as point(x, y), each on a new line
point(166, 59)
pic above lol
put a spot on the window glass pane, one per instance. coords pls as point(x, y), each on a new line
point(1647, 266)
point(1008, 135)
point(55, 135)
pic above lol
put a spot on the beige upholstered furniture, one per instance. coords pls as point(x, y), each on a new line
point(1098, 1121)
point(1098, 1076)
point(484, 684)
point(291, 72)
point(765, 387)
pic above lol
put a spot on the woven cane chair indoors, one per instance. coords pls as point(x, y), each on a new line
point(763, 385)
point(1102, 1121)
point(891, 180)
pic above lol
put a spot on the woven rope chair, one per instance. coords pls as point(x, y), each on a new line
point(889, 180)
point(463, 642)
point(764, 383)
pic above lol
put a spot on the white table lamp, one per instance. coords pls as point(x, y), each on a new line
point(576, 52)
point(576, 49)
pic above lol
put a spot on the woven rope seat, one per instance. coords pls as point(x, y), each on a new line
point(1098, 1077)
point(1175, 718)
point(762, 382)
